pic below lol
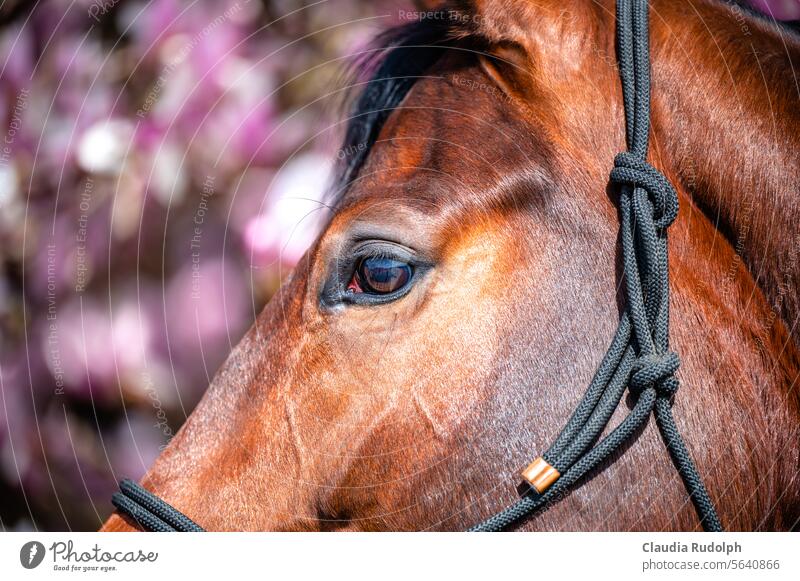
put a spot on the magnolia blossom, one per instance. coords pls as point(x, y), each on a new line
point(292, 214)
point(103, 146)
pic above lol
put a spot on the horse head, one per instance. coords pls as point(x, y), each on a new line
point(440, 331)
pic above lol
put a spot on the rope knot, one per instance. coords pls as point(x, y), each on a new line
point(656, 371)
point(633, 171)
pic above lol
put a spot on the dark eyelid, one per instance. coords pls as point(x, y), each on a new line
point(382, 249)
point(334, 291)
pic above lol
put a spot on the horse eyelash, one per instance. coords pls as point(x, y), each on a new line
point(377, 253)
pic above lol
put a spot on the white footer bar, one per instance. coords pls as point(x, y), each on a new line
point(349, 556)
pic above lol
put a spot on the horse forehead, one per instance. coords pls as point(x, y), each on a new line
point(456, 133)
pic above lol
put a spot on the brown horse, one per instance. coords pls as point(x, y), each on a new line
point(442, 328)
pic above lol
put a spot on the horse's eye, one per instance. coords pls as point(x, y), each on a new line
point(380, 276)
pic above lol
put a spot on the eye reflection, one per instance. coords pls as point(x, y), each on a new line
point(380, 275)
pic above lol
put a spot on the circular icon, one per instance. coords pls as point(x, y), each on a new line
point(31, 554)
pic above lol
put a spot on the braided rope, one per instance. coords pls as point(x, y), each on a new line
point(149, 511)
point(639, 357)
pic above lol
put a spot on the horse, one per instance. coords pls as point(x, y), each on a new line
point(443, 326)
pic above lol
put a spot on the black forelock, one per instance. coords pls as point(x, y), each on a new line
point(399, 58)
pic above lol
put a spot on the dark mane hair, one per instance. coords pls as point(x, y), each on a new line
point(397, 59)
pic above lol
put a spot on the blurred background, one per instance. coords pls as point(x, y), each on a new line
point(162, 169)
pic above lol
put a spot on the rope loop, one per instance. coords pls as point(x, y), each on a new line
point(631, 170)
point(638, 358)
point(656, 371)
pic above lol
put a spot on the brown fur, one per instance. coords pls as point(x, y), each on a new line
point(417, 414)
